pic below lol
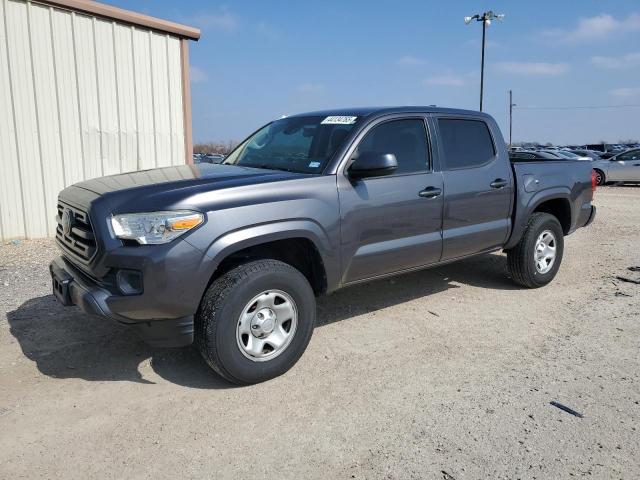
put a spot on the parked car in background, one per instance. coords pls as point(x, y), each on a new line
point(534, 155)
point(214, 158)
point(592, 154)
point(606, 150)
point(210, 158)
point(570, 155)
point(623, 167)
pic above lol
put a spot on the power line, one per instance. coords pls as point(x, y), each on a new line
point(581, 107)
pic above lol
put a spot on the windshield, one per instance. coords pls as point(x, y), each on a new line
point(296, 144)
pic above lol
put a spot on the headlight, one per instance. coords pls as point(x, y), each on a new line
point(155, 227)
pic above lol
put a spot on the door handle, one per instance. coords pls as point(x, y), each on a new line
point(430, 192)
point(499, 183)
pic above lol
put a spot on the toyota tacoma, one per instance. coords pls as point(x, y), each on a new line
point(231, 257)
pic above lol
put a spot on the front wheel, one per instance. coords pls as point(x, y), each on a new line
point(535, 260)
point(600, 178)
point(255, 321)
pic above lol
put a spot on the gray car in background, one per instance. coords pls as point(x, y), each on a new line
point(623, 167)
point(570, 155)
point(592, 154)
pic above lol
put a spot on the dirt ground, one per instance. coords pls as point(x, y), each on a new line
point(445, 373)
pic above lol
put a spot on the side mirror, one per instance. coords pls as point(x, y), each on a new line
point(373, 164)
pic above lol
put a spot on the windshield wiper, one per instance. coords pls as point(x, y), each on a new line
point(271, 167)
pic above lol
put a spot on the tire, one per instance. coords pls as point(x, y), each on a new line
point(218, 322)
point(521, 259)
point(600, 178)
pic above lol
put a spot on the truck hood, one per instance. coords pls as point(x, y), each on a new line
point(184, 176)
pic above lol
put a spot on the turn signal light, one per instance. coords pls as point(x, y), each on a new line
point(184, 223)
point(594, 182)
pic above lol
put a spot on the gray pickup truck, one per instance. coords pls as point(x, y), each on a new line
point(231, 257)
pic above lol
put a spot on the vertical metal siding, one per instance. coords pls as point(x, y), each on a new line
point(160, 84)
point(11, 206)
point(125, 79)
point(176, 117)
point(47, 109)
point(80, 97)
point(144, 99)
point(21, 80)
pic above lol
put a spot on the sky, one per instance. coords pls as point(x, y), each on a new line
point(257, 60)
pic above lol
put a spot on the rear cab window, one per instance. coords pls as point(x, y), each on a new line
point(466, 143)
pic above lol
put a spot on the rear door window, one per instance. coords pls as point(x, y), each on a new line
point(466, 143)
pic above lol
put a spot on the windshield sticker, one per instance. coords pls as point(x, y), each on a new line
point(314, 164)
point(339, 120)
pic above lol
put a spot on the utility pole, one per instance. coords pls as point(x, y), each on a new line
point(484, 31)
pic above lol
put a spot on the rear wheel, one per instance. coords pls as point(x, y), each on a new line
point(535, 260)
point(255, 321)
point(600, 178)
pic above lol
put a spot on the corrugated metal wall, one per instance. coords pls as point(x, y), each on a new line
point(80, 97)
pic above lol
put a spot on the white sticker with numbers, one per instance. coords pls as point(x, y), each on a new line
point(339, 120)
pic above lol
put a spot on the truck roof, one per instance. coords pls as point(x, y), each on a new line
point(376, 111)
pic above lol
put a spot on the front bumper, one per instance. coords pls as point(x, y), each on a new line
point(72, 287)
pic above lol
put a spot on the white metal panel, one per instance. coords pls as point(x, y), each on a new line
point(107, 97)
point(67, 92)
point(126, 97)
point(84, 45)
point(144, 99)
point(80, 97)
point(44, 78)
point(11, 207)
point(161, 104)
point(26, 123)
point(174, 63)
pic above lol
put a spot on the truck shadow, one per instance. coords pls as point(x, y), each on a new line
point(66, 343)
point(487, 271)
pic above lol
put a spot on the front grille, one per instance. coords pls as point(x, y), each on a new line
point(74, 233)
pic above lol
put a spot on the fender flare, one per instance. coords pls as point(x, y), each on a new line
point(534, 202)
point(234, 241)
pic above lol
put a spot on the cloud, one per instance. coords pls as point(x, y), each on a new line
point(446, 80)
point(625, 92)
point(410, 61)
point(222, 21)
point(596, 28)
point(533, 68)
point(310, 88)
point(625, 61)
point(197, 74)
point(268, 31)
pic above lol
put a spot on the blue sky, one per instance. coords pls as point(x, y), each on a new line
point(257, 60)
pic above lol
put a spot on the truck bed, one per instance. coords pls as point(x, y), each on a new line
point(569, 180)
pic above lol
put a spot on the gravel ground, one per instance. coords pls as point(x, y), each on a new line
point(446, 373)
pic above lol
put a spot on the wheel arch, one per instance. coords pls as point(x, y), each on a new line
point(301, 244)
point(559, 207)
point(556, 201)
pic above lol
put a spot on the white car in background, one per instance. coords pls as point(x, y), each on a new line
point(569, 155)
point(623, 167)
